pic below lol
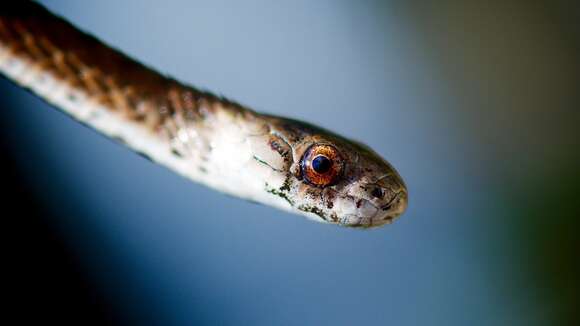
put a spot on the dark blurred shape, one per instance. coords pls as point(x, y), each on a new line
point(545, 228)
point(515, 69)
point(45, 281)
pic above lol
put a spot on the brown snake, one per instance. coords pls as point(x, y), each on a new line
point(272, 160)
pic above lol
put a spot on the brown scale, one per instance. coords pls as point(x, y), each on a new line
point(66, 63)
point(59, 64)
point(35, 52)
point(148, 114)
point(8, 38)
point(178, 116)
point(188, 101)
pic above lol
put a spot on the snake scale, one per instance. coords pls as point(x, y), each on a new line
point(272, 160)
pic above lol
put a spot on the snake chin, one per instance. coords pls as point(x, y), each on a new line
point(370, 215)
point(389, 212)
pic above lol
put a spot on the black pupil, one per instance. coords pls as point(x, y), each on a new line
point(321, 164)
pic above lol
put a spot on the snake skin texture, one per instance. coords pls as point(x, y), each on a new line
point(112, 79)
point(206, 138)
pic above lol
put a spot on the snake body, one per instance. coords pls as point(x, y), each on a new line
point(267, 159)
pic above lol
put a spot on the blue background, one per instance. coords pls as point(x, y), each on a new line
point(475, 105)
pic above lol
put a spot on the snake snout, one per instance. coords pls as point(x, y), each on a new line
point(396, 206)
point(390, 196)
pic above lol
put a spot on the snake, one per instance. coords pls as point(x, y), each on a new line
point(280, 162)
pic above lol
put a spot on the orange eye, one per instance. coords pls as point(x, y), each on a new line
point(321, 165)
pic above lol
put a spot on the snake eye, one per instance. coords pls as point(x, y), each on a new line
point(321, 165)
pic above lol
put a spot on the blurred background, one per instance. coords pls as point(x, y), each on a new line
point(475, 103)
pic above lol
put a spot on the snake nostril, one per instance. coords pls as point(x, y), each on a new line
point(377, 193)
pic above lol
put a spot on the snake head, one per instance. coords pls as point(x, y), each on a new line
point(336, 180)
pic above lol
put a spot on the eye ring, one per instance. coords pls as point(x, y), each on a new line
point(321, 165)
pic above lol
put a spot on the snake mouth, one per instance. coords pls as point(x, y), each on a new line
point(391, 210)
point(371, 215)
point(388, 206)
point(398, 204)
